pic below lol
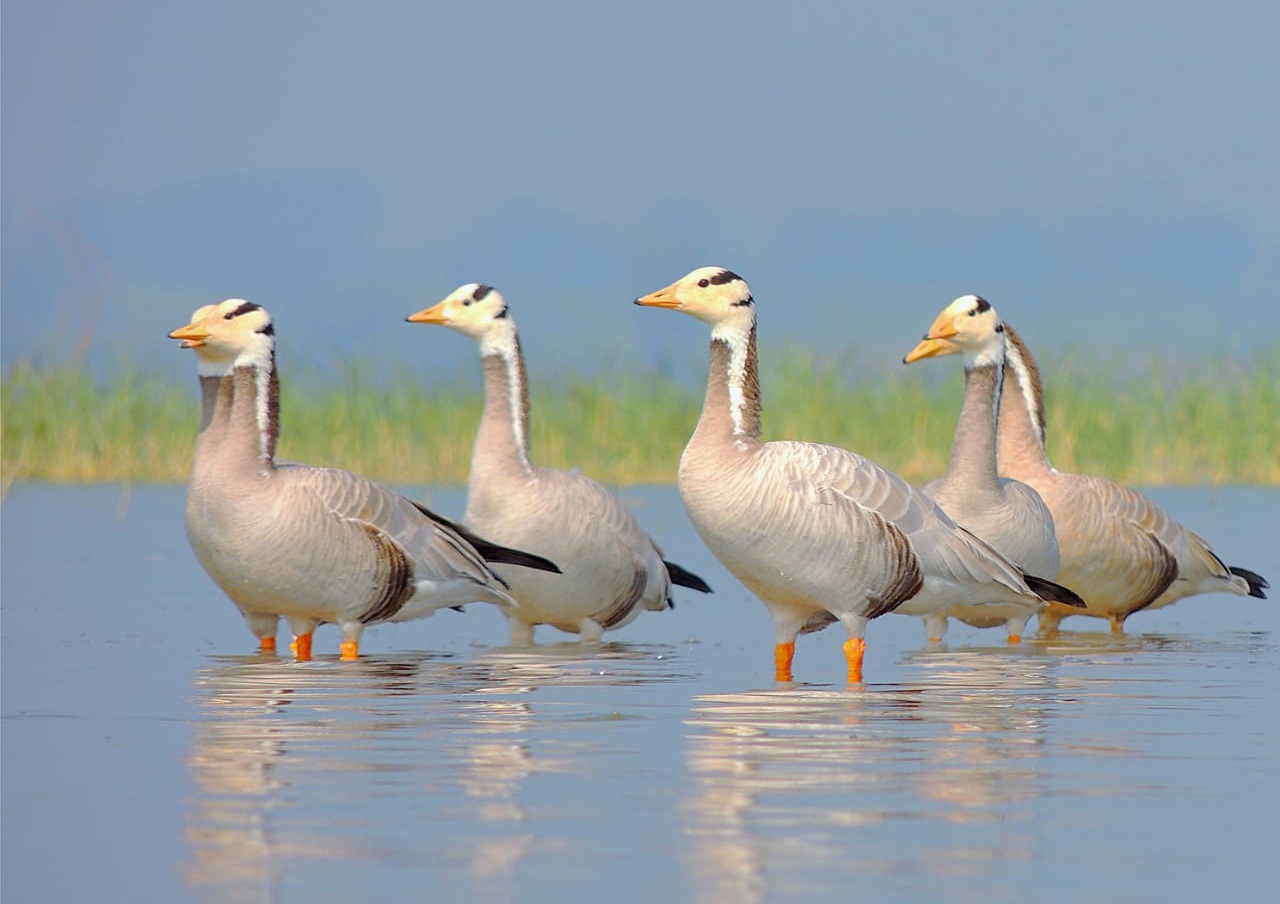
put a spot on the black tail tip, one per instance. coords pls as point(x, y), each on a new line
point(505, 555)
point(529, 560)
point(1257, 583)
point(1053, 593)
point(685, 578)
point(490, 551)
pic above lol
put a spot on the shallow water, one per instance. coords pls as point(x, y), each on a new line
point(146, 757)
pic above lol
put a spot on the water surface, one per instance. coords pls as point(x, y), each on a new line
point(149, 755)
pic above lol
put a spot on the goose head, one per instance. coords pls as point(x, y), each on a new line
point(968, 326)
point(714, 295)
point(192, 335)
point(232, 334)
point(475, 310)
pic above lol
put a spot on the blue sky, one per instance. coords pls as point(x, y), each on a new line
point(1103, 172)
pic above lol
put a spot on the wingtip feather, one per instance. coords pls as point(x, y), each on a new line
point(1052, 592)
point(490, 551)
point(1257, 583)
point(685, 578)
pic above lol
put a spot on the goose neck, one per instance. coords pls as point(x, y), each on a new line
point(731, 408)
point(973, 450)
point(215, 411)
point(253, 421)
point(1021, 448)
point(502, 442)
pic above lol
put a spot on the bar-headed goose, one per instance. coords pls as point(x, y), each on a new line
point(818, 533)
point(1119, 549)
point(1008, 514)
point(612, 569)
point(311, 544)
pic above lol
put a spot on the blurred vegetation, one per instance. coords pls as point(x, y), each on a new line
point(1143, 423)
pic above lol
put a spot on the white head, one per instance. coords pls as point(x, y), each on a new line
point(235, 333)
point(968, 326)
point(475, 310)
point(714, 295)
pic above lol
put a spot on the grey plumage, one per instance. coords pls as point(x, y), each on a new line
point(310, 544)
point(613, 569)
point(1119, 550)
point(813, 529)
point(1008, 514)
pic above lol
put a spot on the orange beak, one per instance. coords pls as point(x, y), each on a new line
point(191, 335)
point(433, 314)
point(936, 342)
point(663, 298)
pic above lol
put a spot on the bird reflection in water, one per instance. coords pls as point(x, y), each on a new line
point(267, 734)
point(801, 787)
point(289, 762)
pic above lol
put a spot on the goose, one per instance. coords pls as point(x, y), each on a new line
point(1007, 513)
point(613, 570)
point(818, 533)
point(310, 544)
point(1120, 550)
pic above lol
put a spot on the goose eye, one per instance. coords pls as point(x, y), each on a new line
point(703, 283)
point(228, 315)
point(467, 303)
point(973, 313)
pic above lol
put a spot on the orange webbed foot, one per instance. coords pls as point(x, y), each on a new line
point(349, 651)
point(266, 644)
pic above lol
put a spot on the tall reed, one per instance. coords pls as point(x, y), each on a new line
point(1144, 423)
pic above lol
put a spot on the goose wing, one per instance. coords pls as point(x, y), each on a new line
point(1194, 559)
point(807, 519)
point(488, 550)
point(1122, 542)
point(862, 480)
point(436, 550)
point(605, 539)
point(944, 549)
point(1191, 551)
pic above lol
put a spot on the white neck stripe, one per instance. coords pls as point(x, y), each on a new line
point(1013, 356)
point(262, 409)
point(507, 349)
point(737, 374)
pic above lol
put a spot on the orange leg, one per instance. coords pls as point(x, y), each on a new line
point(301, 647)
point(267, 644)
point(783, 653)
point(1048, 624)
point(854, 647)
point(1015, 638)
point(1117, 624)
point(349, 651)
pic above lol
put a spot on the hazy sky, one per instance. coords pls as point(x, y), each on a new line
point(857, 162)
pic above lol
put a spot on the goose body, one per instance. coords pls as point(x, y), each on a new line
point(1008, 514)
point(309, 544)
point(613, 570)
point(818, 533)
point(1120, 550)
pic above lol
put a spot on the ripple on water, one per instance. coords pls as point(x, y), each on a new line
point(800, 781)
point(1139, 767)
point(283, 753)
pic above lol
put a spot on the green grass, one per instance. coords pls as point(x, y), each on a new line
point(1150, 423)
